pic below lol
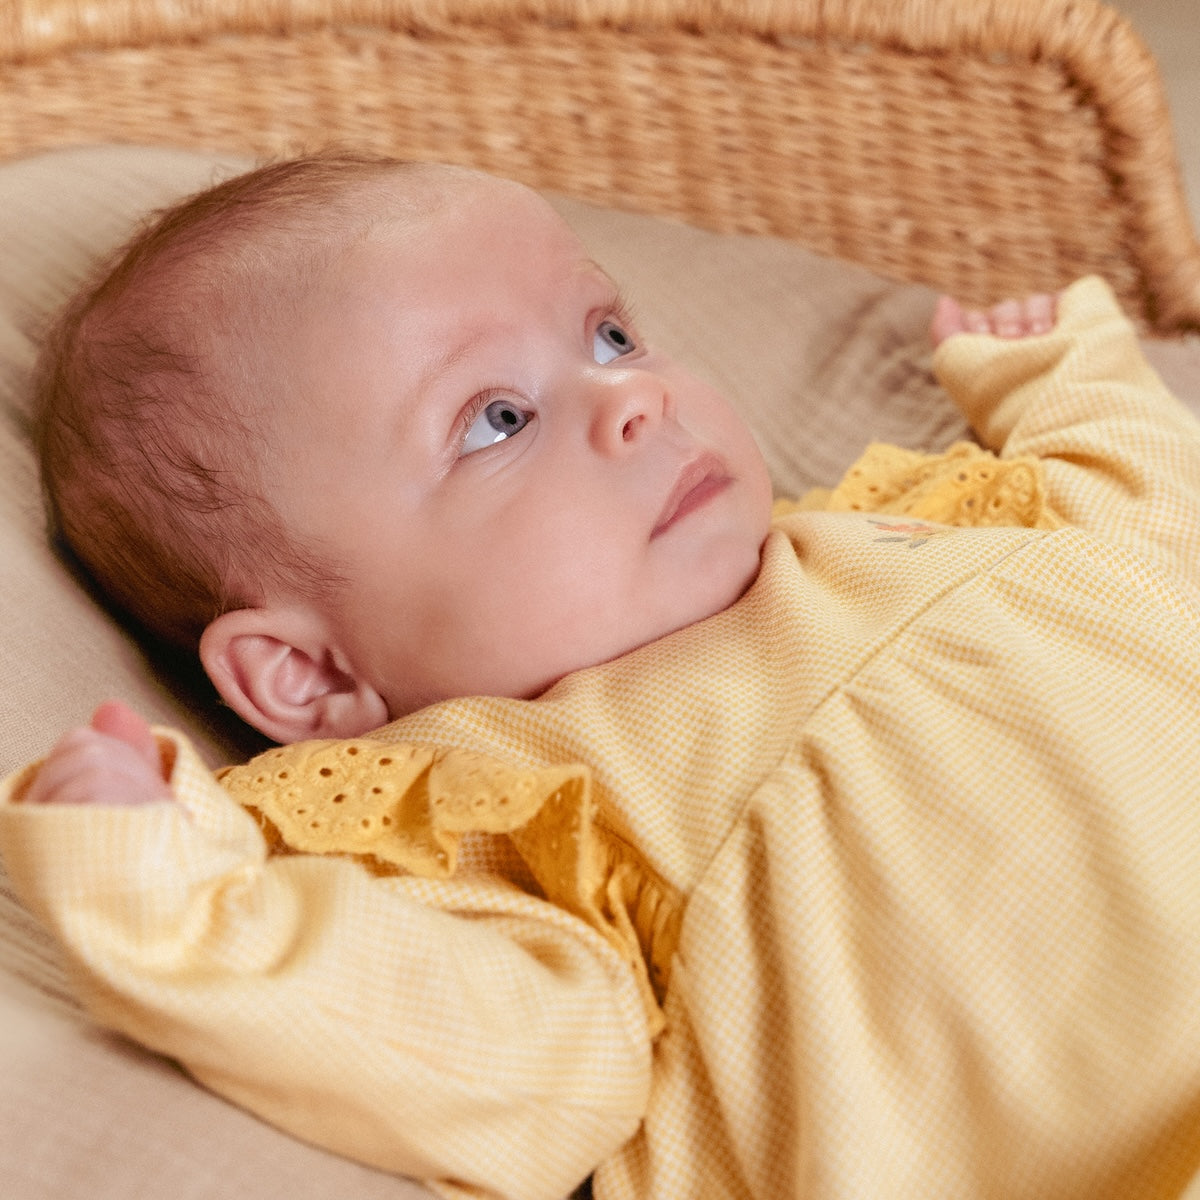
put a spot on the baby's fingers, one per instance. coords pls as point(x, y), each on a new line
point(1027, 317)
point(119, 721)
point(90, 767)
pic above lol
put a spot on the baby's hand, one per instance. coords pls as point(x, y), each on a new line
point(114, 760)
point(1008, 319)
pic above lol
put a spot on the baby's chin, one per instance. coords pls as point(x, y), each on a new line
point(701, 607)
point(621, 639)
point(725, 589)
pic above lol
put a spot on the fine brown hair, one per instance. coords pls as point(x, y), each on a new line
point(146, 424)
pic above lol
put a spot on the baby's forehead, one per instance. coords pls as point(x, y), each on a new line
point(439, 193)
point(436, 199)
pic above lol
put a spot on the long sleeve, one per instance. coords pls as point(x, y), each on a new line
point(461, 1031)
point(1120, 455)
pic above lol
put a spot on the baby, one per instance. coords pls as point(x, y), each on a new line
point(835, 854)
point(487, 545)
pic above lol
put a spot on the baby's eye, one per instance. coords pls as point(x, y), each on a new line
point(496, 421)
point(611, 342)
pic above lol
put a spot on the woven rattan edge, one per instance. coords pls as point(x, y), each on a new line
point(1098, 50)
point(1065, 29)
point(1110, 65)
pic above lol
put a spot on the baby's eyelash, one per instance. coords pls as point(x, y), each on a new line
point(622, 311)
point(466, 418)
point(511, 417)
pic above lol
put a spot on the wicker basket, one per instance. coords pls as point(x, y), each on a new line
point(986, 148)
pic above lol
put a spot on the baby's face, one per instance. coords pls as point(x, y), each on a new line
point(516, 484)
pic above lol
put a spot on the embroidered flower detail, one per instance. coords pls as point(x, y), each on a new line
point(914, 533)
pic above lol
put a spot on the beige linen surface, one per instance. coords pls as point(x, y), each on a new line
point(936, 845)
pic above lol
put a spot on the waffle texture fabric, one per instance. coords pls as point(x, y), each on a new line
point(883, 881)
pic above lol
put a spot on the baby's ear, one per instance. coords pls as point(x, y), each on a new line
point(277, 671)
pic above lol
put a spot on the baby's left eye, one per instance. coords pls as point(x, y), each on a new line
point(611, 342)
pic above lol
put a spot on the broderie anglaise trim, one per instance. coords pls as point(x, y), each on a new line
point(965, 486)
point(399, 807)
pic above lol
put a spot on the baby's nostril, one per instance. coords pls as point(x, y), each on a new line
point(629, 429)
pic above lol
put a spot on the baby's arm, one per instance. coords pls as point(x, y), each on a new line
point(113, 760)
point(404, 1022)
point(1120, 455)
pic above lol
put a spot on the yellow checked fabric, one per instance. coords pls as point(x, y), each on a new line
point(913, 825)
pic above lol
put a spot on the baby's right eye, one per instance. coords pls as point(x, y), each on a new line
point(495, 422)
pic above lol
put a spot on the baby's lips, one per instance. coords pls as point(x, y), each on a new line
point(699, 480)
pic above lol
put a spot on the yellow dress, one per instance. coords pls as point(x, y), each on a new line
point(883, 882)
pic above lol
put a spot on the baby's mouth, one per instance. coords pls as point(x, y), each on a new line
point(698, 482)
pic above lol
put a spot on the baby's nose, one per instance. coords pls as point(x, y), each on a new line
point(628, 405)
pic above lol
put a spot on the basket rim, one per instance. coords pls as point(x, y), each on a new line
point(1057, 29)
point(1097, 49)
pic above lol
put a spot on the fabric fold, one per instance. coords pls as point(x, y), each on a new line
point(399, 807)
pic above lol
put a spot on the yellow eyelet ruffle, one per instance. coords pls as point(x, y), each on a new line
point(405, 808)
point(965, 486)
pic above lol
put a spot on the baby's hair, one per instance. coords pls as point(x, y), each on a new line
point(146, 424)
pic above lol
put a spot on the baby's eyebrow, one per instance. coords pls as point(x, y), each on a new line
point(593, 265)
point(589, 266)
point(452, 354)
